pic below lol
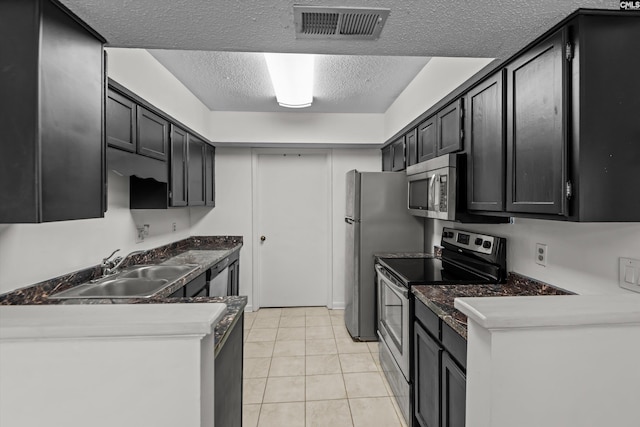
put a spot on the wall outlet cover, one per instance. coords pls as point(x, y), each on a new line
point(629, 277)
point(541, 254)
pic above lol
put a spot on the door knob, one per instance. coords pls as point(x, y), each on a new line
point(262, 238)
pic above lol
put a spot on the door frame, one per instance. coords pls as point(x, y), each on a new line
point(255, 165)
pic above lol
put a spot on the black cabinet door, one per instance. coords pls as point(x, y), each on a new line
point(411, 142)
point(450, 128)
point(233, 283)
point(484, 124)
point(427, 139)
point(121, 122)
point(386, 158)
point(210, 175)
point(153, 134)
point(398, 155)
point(426, 380)
point(536, 143)
point(196, 163)
point(52, 98)
point(178, 167)
point(228, 379)
point(454, 392)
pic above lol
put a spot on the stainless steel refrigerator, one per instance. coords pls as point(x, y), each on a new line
point(377, 221)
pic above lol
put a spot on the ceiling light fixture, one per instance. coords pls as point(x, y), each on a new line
point(292, 78)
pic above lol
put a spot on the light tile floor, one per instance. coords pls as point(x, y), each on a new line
point(301, 368)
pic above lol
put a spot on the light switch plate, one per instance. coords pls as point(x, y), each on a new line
point(629, 277)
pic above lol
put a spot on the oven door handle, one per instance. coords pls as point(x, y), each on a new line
point(398, 290)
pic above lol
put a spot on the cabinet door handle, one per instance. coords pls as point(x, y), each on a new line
point(263, 238)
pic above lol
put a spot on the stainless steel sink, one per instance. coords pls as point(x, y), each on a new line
point(140, 281)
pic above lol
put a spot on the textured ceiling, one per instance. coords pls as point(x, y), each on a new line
point(353, 77)
point(233, 81)
point(480, 28)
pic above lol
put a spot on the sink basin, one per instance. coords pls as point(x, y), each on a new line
point(140, 281)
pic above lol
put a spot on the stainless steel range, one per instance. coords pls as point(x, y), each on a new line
point(467, 258)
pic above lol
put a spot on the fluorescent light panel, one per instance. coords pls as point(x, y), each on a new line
point(292, 78)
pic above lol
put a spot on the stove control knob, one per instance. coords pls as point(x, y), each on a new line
point(478, 241)
point(447, 234)
point(486, 244)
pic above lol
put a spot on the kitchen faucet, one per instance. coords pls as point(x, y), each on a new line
point(110, 266)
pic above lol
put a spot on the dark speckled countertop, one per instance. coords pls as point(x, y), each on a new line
point(439, 298)
point(205, 251)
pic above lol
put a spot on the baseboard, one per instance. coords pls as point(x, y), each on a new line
point(248, 308)
point(338, 305)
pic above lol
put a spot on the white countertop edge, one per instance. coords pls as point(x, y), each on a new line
point(546, 311)
point(108, 320)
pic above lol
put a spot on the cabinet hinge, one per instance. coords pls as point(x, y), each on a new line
point(569, 190)
point(568, 50)
point(461, 133)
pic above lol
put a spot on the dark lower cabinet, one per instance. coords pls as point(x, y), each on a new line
point(484, 122)
point(427, 362)
point(52, 97)
point(453, 394)
point(536, 117)
point(228, 379)
point(438, 378)
point(233, 287)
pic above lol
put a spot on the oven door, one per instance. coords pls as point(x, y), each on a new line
point(393, 317)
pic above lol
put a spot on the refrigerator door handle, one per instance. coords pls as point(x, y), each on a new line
point(348, 220)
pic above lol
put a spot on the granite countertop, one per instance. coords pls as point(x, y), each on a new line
point(440, 298)
point(205, 251)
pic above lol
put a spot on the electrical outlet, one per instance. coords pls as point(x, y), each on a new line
point(173, 226)
point(142, 231)
point(629, 274)
point(541, 254)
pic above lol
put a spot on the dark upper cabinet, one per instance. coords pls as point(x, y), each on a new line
point(121, 122)
point(153, 134)
point(454, 393)
point(411, 142)
point(449, 121)
point(210, 175)
point(134, 128)
point(178, 167)
point(52, 86)
point(398, 155)
point(426, 367)
point(427, 139)
point(484, 139)
point(196, 171)
point(536, 118)
point(386, 158)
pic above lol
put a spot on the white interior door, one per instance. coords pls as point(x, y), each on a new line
point(292, 232)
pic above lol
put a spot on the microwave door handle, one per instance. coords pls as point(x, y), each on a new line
point(436, 193)
point(432, 197)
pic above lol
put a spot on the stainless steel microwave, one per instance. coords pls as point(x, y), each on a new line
point(433, 186)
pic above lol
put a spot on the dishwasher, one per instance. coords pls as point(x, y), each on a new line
point(218, 279)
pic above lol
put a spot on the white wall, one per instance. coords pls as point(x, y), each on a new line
point(234, 207)
point(582, 257)
point(287, 128)
point(30, 253)
point(436, 80)
point(141, 73)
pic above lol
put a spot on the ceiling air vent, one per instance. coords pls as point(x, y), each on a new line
point(354, 23)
